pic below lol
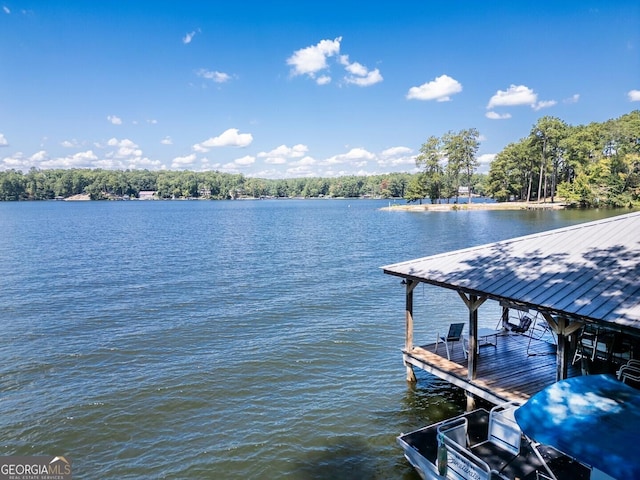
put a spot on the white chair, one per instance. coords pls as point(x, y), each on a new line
point(630, 371)
point(454, 335)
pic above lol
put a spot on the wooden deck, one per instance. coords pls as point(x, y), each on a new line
point(513, 370)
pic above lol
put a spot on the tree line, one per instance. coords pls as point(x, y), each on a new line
point(100, 184)
point(589, 165)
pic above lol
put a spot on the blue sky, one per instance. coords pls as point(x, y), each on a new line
point(288, 89)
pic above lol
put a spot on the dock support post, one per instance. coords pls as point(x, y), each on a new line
point(505, 316)
point(471, 401)
point(411, 375)
point(408, 340)
point(563, 328)
point(473, 303)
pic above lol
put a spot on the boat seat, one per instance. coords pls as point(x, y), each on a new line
point(503, 429)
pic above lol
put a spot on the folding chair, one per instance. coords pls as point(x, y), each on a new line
point(454, 335)
point(587, 345)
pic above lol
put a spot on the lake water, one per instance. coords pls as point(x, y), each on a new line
point(236, 340)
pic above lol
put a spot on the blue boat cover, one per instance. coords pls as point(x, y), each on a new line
point(594, 419)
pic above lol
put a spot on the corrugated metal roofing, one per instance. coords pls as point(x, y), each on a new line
point(590, 270)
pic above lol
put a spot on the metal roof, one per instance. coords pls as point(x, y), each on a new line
point(589, 271)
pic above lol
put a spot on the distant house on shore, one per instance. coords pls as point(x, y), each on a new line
point(147, 195)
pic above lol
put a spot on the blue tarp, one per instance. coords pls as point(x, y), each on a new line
point(594, 419)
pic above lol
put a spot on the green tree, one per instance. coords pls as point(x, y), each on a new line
point(429, 161)
point(547, 136)
point(511, 173)
point(416, 189)
point(460, 150)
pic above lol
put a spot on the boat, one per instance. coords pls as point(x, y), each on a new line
point(585, 427)
point(593, 418)
point(485, 445)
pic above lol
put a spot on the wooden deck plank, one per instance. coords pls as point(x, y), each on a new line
point(505, 372)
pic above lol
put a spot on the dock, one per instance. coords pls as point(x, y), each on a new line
point(572, 281)
point(513, 370)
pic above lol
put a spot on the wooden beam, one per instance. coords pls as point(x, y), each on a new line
point(411, 284)
point(477, 390)
point(505, 316)
point(562, 327)
point(472, 302)
point(473, 305)
point(408, 340)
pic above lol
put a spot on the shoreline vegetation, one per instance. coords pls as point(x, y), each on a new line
point(425, 207)
point(447, 207)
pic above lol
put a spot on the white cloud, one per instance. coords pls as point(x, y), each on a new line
point(230, 167)
point(3, 141)
point(518, 95)
point(125, 149)
point(215, 76)
point(305, 161)
point(228, 138)
point(397, 157)
point(311, 60)
point(244, 161)
point(114, 119)
point(572, 99)
point(275, 160)
point(183, 162)
point(199, 148)
point(301, 171)
point(40, 156)
point(279, 155)
point(371, 78)
point(69, 143)
point(439, 89)
point(16, 161)
point(514, 95)
point(120, 155)
point(354, 155)
point(189, 37)
point(166, 141)
point(634, 95)
point(497, 116)
point(543, 104)
point(359, 74)
point(85, 159)
point(354, 68)
point(395, 151)
point(144, 163)
point(6, 9)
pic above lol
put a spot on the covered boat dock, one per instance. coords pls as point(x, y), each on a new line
point(582, 276)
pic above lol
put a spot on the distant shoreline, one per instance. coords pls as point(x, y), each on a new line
point(446, 207)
